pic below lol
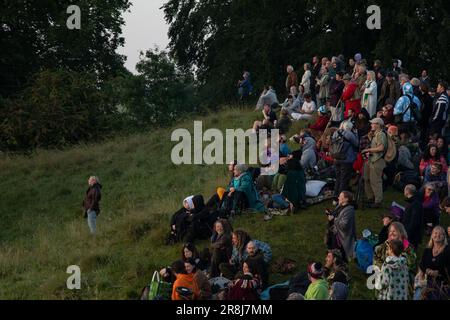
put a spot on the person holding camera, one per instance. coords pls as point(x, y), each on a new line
point(342, 226)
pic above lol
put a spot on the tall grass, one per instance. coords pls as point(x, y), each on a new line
point(42, 230)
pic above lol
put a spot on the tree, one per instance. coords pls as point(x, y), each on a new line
point(34, 36)
point(218, 39)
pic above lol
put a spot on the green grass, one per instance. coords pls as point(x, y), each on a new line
point(42, 231)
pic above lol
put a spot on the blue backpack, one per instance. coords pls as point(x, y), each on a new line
point(364, 254)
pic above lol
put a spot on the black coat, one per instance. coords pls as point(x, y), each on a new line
point(413, 220)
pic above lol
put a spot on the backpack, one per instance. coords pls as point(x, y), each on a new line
point(415, 109)
point(390, 151)
point(338, 150)
point(364, 254)
point(415, 112)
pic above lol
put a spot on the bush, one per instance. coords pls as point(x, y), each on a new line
point(58, 108)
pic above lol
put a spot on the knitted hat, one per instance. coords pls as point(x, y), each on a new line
point(315, 270)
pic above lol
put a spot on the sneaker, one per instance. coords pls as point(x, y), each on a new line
point(268, 217)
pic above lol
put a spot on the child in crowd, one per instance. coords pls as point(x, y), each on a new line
point(394, 274)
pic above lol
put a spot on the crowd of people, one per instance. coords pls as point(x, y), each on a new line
point(367, 128)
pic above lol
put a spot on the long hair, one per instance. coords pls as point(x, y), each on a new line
point(431, 242)
point(400, 229)
point(191, 247)
point(427, 155)
point(242, 239)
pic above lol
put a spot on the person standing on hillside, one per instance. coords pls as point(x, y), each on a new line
point(91, 203)
point(291, 80)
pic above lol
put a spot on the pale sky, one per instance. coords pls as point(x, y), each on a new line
point(144, 28)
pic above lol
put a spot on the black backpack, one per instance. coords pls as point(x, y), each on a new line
point(338, 149)
point(414, 109)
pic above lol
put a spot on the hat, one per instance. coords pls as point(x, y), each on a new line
point(323, 110)
point(377, 121)
point(315, 270)
point(396, 212)
point(220, 192)
point(347, 77)
point(390, 74)
point(366, 233)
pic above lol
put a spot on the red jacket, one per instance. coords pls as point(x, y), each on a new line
point(320, 124)
point(348, 96)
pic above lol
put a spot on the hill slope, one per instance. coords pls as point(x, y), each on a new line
point(42, 230)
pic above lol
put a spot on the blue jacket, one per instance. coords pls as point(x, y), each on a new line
point(403, 103)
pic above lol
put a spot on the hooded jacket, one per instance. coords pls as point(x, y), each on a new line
point(244, 183)
point(402, 104)
point(394, 279)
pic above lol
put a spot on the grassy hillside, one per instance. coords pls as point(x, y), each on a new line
point(42, 231)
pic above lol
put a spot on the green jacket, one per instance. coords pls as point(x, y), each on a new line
point(294, 188)
point(317, 291)
point(244, 183)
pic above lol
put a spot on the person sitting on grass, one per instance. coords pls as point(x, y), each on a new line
point(433, 280)
point(335, 268)
point(318, 288)
point(221, 246)
point(430, 156)
point(388, 218)
point(256, 257)
point(307, 110)
point(188, 251)
point(284, 123)
point(179, 222)
point(322, 121)
point(397, 232)
point(394, 280)
point(269, 119)
point(201, 287)
point(183, 280)
point(434, 175)
point(247, 284)
point(240, 239)
point(242, 193)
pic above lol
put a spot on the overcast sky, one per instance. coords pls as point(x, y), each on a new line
point(144, 28)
